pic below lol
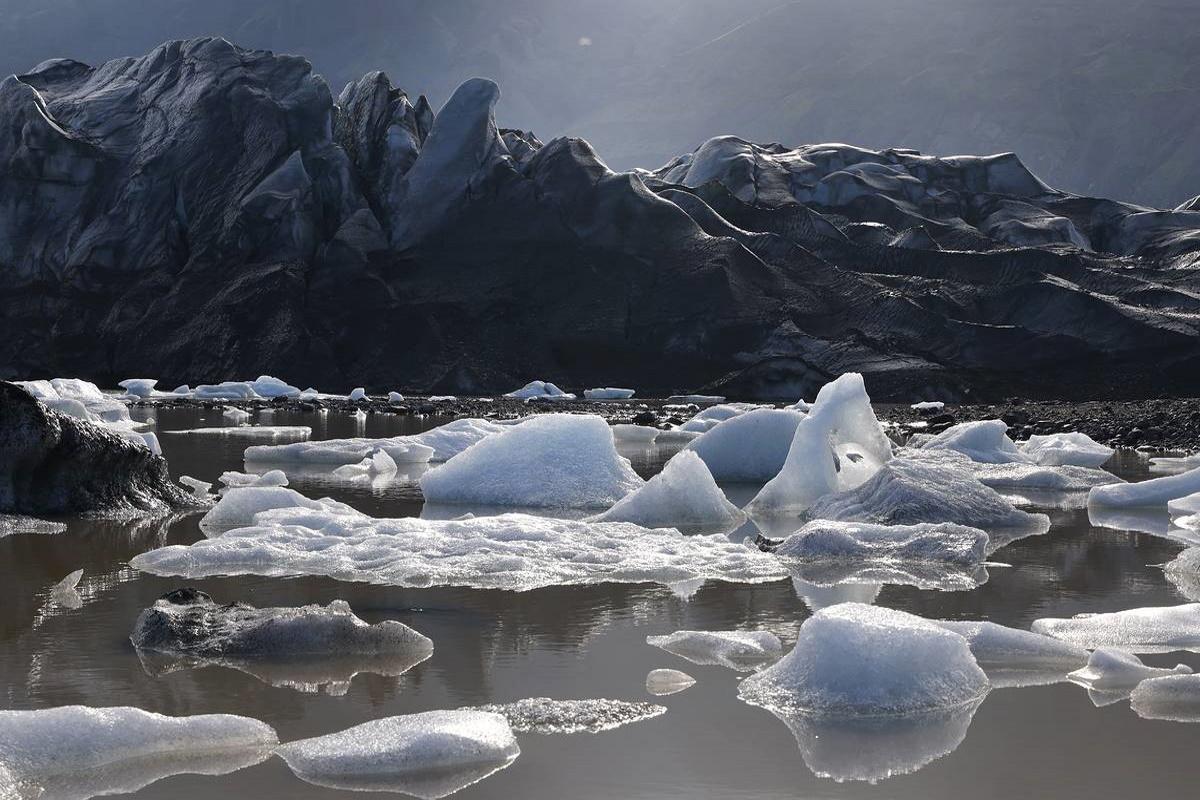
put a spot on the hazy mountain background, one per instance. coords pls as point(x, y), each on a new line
point(1096, 96)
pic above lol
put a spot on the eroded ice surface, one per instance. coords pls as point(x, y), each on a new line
point(985, 441)
point(429, 755)
point(1158, 629)
point(549, 461)
point(1150, 493)
point(547, 716)
point(738, 650)
point(749, 447)
point(241, 480)
point(1013, 657)
point(512, 551)
point(864, 541)
point(377, 464)
point(712, 416)
point(238, 505)
point(1175, 698)
point(853, 659)
point(683, 494)
point(1066, 449)
point(663, 682)
point(1111, 670)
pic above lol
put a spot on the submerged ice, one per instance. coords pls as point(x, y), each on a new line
point(738, 650)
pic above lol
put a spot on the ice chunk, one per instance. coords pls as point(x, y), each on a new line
point(546, 716)
point(1066, 449)
point(608, 393)
point(837, 447)
point(748, 447)
point(634, 434)
point(235, 415)
point(138, 387)
point(1153, 492)
point(928, 405)
point(985, 441)
point(77, 752)
point(198, 487)
point(1110, 670)
point(357, 394)
point(853, 659)
point(699, 399)
point(683, 494)
point(66, 593)
point(861, 541)
point(1184, 572)
point(240, 480)
point(445, 398)
point(454, 437)
point(378, 464)
point(395, 398)
point(274, 432)
point(739, 650)
point(712, 416)
point(270, 387)
point(1016, 475)
point(512, 551)
point(401, 449)
point(1159, 629)
point(238, 506)
point(1013, 657)
point(1185, 506)
point(662, 682)
point(1175, 463)
point(429, 755)
point(907, 492)
point(540, 390)
point(227, 390)
point(1175, 698)
point(551, 461)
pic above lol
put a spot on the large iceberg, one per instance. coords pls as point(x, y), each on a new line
point(837, 447)
point(739, 650)
point(429, 755)
point(1144, 494)
point(539, 390)
point(77, 752)
point(512, 551)
point(748, 447)
point(551, 461)
point(1066, 449)
point(1175, 698)
point(1112, 670)
point(853, 659)
point(683, 494)
point(546, 716)
point(863, 541)
point(1158, 629)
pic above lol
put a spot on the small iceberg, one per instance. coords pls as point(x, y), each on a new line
point(1184, 572)
point(608, 393)
point(65, 593)
point(292, 433)
point(712, 416)
point(683, 494)
point(242, 480)
point(1111, 670)
point(1175, 698)
point(546, 716)
point(1012, 657)
point(738, 650)
point(663, 682)
point(379, 464)
point(983, 441)
point(859, 541)
point(1146, 494)
point(1158, 629)
point(239, 505)
point(1066, 450)
point(539, 390)
point(750, 447)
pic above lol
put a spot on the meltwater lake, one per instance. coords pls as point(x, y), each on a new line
point(1049, 739)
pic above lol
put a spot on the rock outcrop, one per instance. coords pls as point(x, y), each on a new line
point(204, 212)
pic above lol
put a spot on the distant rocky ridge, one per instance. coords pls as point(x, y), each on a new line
point(208, 212)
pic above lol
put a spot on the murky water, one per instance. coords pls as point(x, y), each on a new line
point(585, 642)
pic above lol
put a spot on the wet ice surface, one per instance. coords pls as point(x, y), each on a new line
point(589, 642)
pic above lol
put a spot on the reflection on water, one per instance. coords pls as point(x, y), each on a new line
point(589, 641)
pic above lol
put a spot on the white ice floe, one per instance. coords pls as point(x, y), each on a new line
point(442, 398)
point(663, 682)
point(1012, 657)
point(377, 465)
point(634, 434)
point(77, 752)
point(928, 405)
point(699, 399)
point(1158, 629)
point(226, 390)
point(395, 398)
point(1143, 494)
point(837, 447)
point(540, 390)
point(712, 416)
point(853, 659)
point(428, 755)
point(518, 552)
point(1066, 449)
point(1175, 698)
point(271, 387)
point(1185, 511)
point(239, 505)
point(1111, 670)
point(985, 441)
point(273, 432)
point(749, 447)
point(547, 716)
point(65, 593)
point(356, 394)
point(682, 494)
point(824, 539)
point(197, 487)
point(139, 387)
point(608, 393)
point(235, 416)
point(1044, 478)
point(738, 650)
point(454, 437)
point(550, 461)
point(333, 452)
point(1184, 572)
point(241, 480)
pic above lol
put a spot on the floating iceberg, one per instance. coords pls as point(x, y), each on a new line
point(712, 416)
point(551, 461)
point(837, 447)
point(270, 387)
point(634, 434)
point(377, 465)
point(1175, 463)
point(1184, 572)
point(242, 480)
point(862, 541)
point(235, 415)
point(1189, 505)
point(853, 659)
point(540, 390)
point(1066, 449)
point(14, 523)
point(1175, 698)
point(985, 441)
point(274, 432)
point(227, 390)
point(928, 405)
point(401, 449)
point(683, 494)
point(1013, 657)
point(1158, 629)
point(1110, 670)
point(823, 582)
point(608, 393)
point(512, 551)
point(395, 398)
point(197, 487)
point(429, 755)
point(749, 447)
point(546, 716)
point(738, 650)
point(699, 399)
point(77, 752)
point(239, 505)
point(662, 682)
point(138, 387)
point(1016, 475)
point(81, 399)
point(65, 593)
point(454, 437)
point(1144, 494)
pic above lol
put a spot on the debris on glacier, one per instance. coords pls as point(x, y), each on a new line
point(608, 393)
point(1143, 494)
point(738, 650)
point(663, 682)
point(698, 399)
point(547, 716)
point(428, 755)
point(539, 390)
point(1066, 449)
point(549, 461)
point(1157, 629)
point(1112, 670)
point(750, 447)
point(1174, 698)
point(683, 494)
point(1012, 657)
